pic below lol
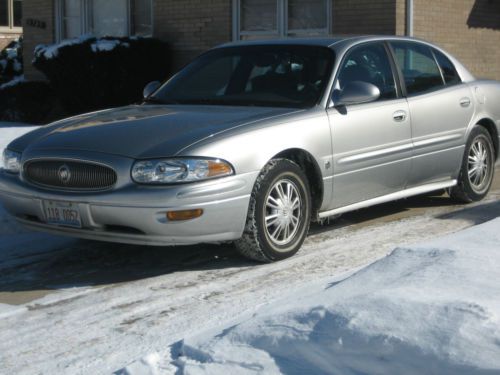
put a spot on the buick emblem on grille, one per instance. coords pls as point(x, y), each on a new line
point(64, 174)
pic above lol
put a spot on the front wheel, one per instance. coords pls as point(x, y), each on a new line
point(279, 213)
point(478, 166)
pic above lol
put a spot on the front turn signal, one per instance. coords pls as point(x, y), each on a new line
point(184, 214)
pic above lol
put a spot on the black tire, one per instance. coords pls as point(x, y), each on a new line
point(467, 190)
point(258, 241)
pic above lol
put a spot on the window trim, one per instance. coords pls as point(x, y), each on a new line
point(86, 18)
point(11, 29)
point(282, 30)
point(401, 75)
point(446, 84)
point(400, 89)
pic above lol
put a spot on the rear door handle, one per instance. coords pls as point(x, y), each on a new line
point(465, 102)
point(399, 116)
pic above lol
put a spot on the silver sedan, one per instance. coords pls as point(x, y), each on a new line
point(253, 140)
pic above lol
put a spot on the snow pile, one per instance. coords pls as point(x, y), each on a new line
point(50, 51)
point(107, 45)
point(11, 66)
point(432, 308)
point(8, 134)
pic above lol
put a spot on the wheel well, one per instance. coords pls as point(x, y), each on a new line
point(489, 125)
point(308, 164)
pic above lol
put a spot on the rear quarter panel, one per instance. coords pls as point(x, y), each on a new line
point(487, 102)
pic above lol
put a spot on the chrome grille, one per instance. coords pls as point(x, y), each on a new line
point(72, 175)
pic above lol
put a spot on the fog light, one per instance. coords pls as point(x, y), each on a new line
point(184, 214)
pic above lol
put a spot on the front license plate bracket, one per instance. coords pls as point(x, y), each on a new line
point(59, 213)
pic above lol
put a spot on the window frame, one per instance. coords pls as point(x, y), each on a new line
point(400, 89)
point(328, 74)
point(86, 16)
point(401, 75)
point(282, 30)
point(11, 29)
point(446, 84)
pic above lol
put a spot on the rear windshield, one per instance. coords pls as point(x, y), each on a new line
point(270, 75)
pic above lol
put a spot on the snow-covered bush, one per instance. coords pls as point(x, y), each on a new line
point(29, 102)
point(11, 62)
point(91, 73)
point(21, 101)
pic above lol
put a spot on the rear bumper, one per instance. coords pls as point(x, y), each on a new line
point(137, 214)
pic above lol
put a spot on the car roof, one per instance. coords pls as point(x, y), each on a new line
point(329, 41)
point(341, 43)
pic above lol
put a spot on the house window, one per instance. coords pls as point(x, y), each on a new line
point(11, 15)
point(258, 19)
point(110, 17)
point(104, 18)
point(142, 18)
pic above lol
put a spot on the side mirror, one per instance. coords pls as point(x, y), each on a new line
point(356, 92)
point(150, 88)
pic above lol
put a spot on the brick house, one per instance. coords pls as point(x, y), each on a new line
point(470, 29)
point(10, 21)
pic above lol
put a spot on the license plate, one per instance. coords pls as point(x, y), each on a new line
point(62, 213)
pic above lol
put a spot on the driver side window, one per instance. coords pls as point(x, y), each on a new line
point(369, 63)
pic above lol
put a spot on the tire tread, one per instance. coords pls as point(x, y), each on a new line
point(462, 192)
point(249, 245)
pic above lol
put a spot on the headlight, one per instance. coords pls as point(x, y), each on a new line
point(11, 161)
point(167, 171)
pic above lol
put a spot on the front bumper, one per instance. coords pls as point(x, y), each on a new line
point(137, 214)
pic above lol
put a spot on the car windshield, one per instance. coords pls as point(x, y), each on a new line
point(265, 75)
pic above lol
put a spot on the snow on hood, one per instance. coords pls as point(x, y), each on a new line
point(431, 308)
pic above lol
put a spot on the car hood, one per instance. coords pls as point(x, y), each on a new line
point(146, 131)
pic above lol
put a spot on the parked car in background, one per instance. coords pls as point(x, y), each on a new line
point(253, 140)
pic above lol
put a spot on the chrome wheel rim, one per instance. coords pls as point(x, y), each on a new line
point(479, 165)
point(283, 209)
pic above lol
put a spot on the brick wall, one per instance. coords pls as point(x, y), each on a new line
point(41, 10)
point(469, 29)
point(192, 26)
point(400, 28)
point(364, 17)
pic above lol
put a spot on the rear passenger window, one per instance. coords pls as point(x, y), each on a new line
point(450, 74)
point(420, 71)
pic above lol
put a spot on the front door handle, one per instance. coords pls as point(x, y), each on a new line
point(465, 102)
point(399, 116)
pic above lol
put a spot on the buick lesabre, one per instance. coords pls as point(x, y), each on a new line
point(254, 140)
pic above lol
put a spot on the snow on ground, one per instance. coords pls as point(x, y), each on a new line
point(154, 297)
point(13, 238)
point(137, 308)
point(428, 308)
point(9, 132)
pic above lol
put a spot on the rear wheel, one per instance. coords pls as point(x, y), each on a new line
point(478, 165)
point(279, 213)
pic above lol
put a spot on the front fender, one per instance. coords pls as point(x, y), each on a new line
point(250, 149)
